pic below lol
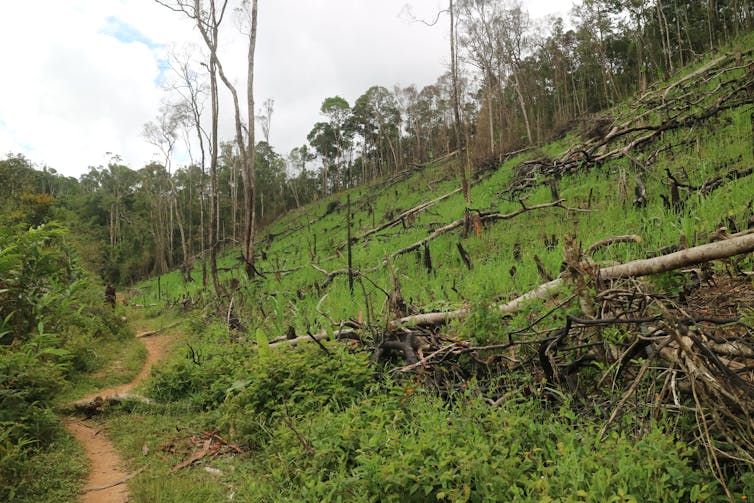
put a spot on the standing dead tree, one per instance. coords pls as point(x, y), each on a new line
point(208, 20)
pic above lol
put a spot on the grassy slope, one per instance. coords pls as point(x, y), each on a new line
point(276, 301)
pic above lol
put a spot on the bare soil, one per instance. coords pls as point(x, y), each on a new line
point(107, 476)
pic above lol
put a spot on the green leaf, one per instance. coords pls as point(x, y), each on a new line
point(263, 345)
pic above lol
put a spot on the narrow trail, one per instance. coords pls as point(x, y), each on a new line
point(107, 476)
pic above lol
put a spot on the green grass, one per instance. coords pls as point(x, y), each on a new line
point(118, 362)
point(132, 430)
point(51, 475)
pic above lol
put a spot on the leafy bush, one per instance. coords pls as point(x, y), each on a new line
point(50, 319)
point(286, 385)
point(408, 447)
point(204, 371)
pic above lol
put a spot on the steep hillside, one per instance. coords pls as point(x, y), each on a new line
point(444, 383)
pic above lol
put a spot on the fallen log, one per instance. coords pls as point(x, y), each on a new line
point(485, 217)
point(150, 333)
point(634, 269)
point(397, 220)
point(94, 405)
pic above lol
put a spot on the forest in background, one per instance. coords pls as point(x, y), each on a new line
point(517, 83)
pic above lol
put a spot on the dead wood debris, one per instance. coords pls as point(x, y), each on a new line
point(642, 352)
point(701, 96)
point(194, 448)
point(483, 217)
point(636, 349)
point(92, 406)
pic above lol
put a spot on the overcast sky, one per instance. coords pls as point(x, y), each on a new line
point(82, 77)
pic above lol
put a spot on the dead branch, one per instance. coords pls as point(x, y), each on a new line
point(401, 217)
point(484, 217)
point(636, 268)
point(206, 449)
point(113, 484)
point(332, 275)
point(94, 405)
point(686, 103)
point(603, 243)
point(150, 333)
point(342, 333)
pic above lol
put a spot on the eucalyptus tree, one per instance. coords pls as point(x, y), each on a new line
point(189, 84)
point(332, 139)
point(163, 134)
point(208, 18)
point(17, 176)
point(460, 131)
point(378, 120)
point(154, 200)
point(432, 119)
point(117, 182)
point(323, 140)
point(264, 118)
point(271, 180)
point(299, 185)
point(338, 112)
point(246, 150)
point(479, 37)
point(405, 97)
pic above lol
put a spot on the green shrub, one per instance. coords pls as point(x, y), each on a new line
point(407, 447)
point(204, 371)
point(51, 317)
point(290, 384)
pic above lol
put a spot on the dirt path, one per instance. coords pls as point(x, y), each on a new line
point(107, 477)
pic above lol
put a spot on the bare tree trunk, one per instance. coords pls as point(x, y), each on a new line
point(113, 217)
point(678, 33)
point(457, 104)
point(665, 34)
point(522, 104)
point(203, 230)
point(214, 217)
point(490, 118)
point(182, 233)
point(249, 171)
point(234, 199)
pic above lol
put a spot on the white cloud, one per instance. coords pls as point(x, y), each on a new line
point(81, 76)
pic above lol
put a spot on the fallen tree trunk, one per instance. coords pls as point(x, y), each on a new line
point(94, 405)
point(395, 221)
point(150, 333)
point(633, 269)
point(484, 218)
point(680, 259)
point(636, 268)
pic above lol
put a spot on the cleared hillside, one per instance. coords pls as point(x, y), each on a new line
point(628, 386)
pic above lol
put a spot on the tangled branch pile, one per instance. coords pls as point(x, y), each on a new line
point(623, 347)
point(725, 83)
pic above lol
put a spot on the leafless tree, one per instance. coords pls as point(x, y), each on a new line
point(208, 18)
point(190, 86)
point(264, 117)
